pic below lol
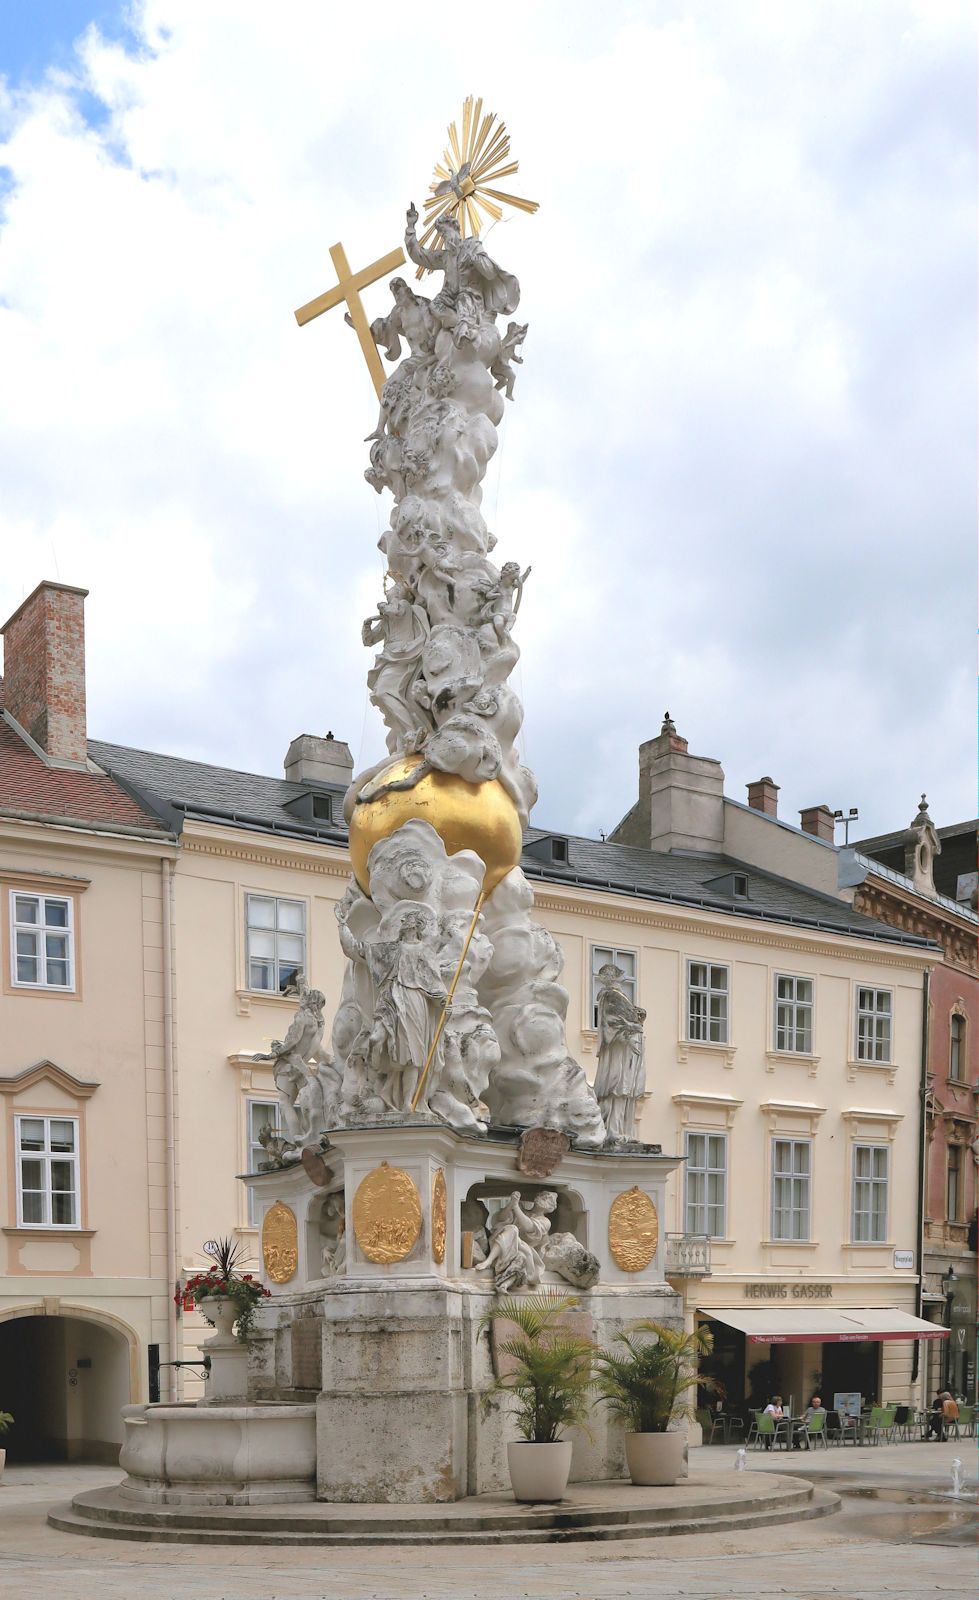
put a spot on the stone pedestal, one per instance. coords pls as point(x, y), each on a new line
point(227, 1380)
point(404, 1361)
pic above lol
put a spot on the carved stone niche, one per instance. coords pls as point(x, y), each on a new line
point(569, 1215)
point(325, 1231)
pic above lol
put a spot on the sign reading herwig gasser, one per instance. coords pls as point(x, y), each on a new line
point(788, 1291)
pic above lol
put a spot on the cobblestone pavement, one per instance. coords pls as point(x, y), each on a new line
point(872, 1550)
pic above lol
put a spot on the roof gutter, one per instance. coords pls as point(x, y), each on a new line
point(125, 830)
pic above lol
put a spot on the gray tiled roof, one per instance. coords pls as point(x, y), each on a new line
point(195, 788)
point(177, 787)
point(686, 878)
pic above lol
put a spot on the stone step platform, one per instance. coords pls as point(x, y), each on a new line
point(705, 1503)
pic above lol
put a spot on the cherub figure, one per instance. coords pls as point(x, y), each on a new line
point(501, 369)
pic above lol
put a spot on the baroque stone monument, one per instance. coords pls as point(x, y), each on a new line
point(405, 1189)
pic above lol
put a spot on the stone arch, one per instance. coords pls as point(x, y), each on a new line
point(79, 1418)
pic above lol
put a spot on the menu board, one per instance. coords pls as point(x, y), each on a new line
point(847, 1403)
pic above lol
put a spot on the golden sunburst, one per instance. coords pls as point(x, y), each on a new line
point(462, 184)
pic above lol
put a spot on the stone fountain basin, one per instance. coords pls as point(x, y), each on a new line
point(236, 1455)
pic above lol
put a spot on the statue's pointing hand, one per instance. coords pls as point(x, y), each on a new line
point(412, 215)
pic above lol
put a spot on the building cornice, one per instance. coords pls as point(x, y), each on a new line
point(237, 844)
point(86, 838)
point(909, 913)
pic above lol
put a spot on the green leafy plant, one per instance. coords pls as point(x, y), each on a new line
point(223, 1280)
point(647, 1383)
point(551, 1374)
point(6, 1422)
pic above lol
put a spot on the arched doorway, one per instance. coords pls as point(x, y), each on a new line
point(65, 1379)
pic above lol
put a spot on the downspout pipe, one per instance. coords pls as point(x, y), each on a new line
point(922, 1168)
point(169, 1116)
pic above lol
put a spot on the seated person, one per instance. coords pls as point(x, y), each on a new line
point(814, 1408)
point(773, 1410)
point(950, 1410)
point(936, 1421)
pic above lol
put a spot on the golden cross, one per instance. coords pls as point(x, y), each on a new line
point(348, 289)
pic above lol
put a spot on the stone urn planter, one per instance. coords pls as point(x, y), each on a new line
point(222, 1311)
point(539, 1471)
point(655, 1457)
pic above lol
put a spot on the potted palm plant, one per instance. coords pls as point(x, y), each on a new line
point(549, 1375)
point(6, 1423)
point(645, 1380)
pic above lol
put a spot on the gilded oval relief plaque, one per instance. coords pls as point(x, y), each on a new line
point(280, 1243)
point(438, 1217)
point(633, 1230)
point(387, 1214)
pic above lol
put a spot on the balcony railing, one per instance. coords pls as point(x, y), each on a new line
point(687, 1255)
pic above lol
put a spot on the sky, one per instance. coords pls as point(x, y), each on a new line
point(741, 453)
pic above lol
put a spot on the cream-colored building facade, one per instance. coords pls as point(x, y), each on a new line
point(784, 1040)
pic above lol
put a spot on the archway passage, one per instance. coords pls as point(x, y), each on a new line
point(65, 1381)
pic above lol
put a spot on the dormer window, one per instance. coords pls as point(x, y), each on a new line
point(311, 806)
point(730, 886)
point(553, 848)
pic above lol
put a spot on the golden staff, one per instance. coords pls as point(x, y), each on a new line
point(447, 1002)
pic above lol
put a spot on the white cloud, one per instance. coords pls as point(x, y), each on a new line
point(740, 457)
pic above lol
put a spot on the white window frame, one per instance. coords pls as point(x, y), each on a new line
point(708, 1171)
point(710, 992)
point(46, 1157)
point(275, 931)
point(874, 1048)
point(603, 955)
point(252, 1146)
point(872, 1185)
point(40, 930)
point(785, 1038)
point(792, 1176)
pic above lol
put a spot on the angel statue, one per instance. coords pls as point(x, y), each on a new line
point(516, 1237)
point(621, 1077)
point(501, 369)
point(400, 627)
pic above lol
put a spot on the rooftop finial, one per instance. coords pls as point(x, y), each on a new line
point(669, 726)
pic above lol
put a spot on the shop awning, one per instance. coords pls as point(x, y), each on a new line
point(821, 1325)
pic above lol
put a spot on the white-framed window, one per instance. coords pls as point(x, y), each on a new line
point(874, 1024)
point(705, 1184)
point(260, 1114)
point(47, 1171)
point(956, 1047)
point(708, 985)
point(603, 955)
point(275, 932)
point(791, 1179)
point(41, 941)
point(870, 1177)
point(793, 1014)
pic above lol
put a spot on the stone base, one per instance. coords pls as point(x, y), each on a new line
point(707, 1503)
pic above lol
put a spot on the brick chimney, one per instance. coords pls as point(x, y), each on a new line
point(763, 796)
point(312, 759)
point(44, 670)
point(818, 820)
point(681, 798)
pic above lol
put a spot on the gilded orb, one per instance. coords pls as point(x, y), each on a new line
point(466, 816)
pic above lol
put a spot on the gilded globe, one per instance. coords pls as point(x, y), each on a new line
point(466, 816)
